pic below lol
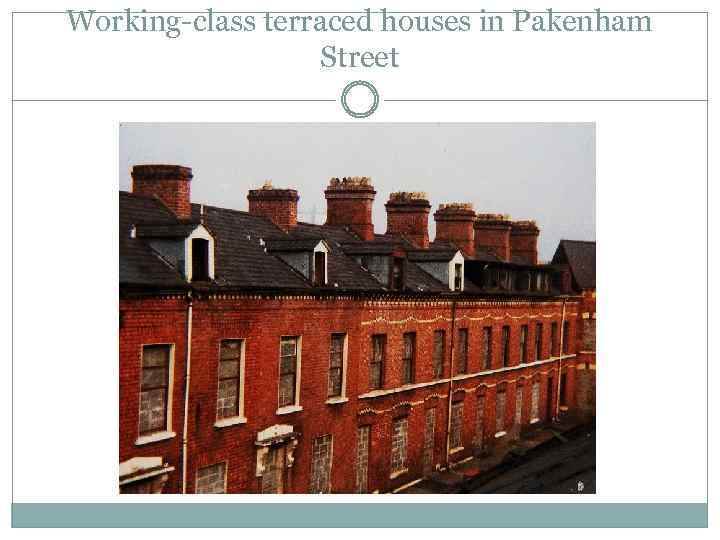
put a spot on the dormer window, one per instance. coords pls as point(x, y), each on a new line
point(200, 248)
point(398, 274)
point(307, 256)
point(186, 246)
point(457, 273)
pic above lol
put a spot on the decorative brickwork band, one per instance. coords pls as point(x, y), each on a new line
point(454, 223)
point(276, 204)
point(349, 204)
point(407, 215)
point(169, 183)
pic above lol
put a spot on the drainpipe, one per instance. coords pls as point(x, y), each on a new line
point(450, 383)
point(560, 354)
point(188, 351)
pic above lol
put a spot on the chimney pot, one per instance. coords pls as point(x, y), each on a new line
point(407, 216)
point(349, 204)
point(276, 204)
point(454, 223)
point(169, 183)
point(523, 241)
point(492, 233)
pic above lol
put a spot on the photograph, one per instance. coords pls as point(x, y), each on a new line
point(357, 308)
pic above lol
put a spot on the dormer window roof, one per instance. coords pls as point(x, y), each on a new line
point(308, 256)
point(187, 246)
point(445, 265)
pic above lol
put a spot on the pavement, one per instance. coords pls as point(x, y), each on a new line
point(556, 458)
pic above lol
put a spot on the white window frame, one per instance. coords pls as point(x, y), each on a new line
point(295, 407)
point(321, 247)
point(342, 398)
point(457, 259)
point(197, 473)
point(240, 418)
point(167, 433)
point(202, 233)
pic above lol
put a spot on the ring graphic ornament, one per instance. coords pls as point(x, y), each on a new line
point(360, 114)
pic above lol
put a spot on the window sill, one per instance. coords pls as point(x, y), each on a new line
point(456, 450)
point(154, 437)
point(232, 421)
point(500, 434)
point(398, 473)
point(289, 409)
point(337, 400)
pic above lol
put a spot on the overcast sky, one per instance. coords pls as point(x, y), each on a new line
point(544, 172)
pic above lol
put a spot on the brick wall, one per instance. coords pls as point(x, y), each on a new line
point(262, 321)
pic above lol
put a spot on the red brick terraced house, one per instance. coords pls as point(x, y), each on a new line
point(259, 354)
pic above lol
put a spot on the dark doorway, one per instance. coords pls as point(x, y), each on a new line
point(319, 273)
point(200, 259)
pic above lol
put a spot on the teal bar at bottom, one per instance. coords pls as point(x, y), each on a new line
point(359, 515)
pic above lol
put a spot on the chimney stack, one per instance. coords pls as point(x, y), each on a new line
point(454, 223)
point(492, 233)
point(407, 215)
point(169, 183)
point(349, 204)
point(277, 205)
point(523, 242)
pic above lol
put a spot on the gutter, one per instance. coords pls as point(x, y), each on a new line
point(188, 355)
point(562, 339)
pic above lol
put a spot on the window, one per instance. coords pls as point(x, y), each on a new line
point(200, 259)
point(588, 337)
point(321, 464)
point(154, 388)
point(319, 277)
point(535, 402)
point(479, 421)
point(554, 343)
point(457, 285)
point(211, 479)
point(518, 404)
point(363, 455)
point(506, 346)
point(429, 444)
point(563, 390)
point(456, 425)
point(487, 347)
point(398, 456)
point(337, 362)
point(523, 343)
point(408, 360)
point(462, 358)
point(500, 411)
point(538, 341)
point(229, 398)
point(438, 353)
point(377, 362)
point(288, 371)
point(398, 274)
point(566, 337)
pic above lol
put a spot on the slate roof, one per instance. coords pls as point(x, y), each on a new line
point(245, 247)
point(166, 230)
point(139, 265)
point(579, 255)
